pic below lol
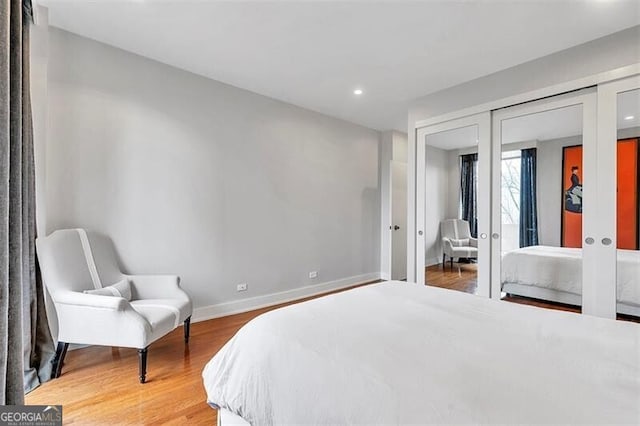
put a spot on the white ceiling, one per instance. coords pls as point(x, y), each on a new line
point(315, 53)
point(547, 125)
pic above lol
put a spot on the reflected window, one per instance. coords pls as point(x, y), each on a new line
point(510, 190)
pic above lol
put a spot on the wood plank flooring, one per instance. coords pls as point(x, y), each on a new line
point(99, 385)
point(463, 277)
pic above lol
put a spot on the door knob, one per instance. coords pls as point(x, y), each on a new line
point(396, 227)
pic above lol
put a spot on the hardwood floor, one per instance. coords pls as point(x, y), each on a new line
point(463, 278)
point(99, 385)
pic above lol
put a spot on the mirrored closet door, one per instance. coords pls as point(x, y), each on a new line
point(453, 206)
point(544, 183)
point(619, 238)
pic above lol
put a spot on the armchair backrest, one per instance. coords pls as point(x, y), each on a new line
point(77, 260)
point(456, 229)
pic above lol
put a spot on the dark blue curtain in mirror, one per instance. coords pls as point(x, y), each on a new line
point(528, 199)
point(469, 191)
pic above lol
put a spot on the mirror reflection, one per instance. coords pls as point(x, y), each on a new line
point(451, 227)
point(627, 208)
point(541, 208)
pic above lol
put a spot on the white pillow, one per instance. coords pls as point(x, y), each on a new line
point(119, 289)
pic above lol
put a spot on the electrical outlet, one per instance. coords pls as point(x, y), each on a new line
point(313, 274)
point(242, 287)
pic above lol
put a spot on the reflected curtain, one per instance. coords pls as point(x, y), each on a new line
point(528, 199)
point(26, 347)
point(469, 191)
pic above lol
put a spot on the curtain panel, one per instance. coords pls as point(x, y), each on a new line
point(469, 191)
point(26, 347)
point(528, 199)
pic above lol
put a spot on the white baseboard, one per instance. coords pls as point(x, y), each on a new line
point(244, 305)
point(433, 261)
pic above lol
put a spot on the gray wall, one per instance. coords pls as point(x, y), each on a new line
point(194, 177)
point(436, 200)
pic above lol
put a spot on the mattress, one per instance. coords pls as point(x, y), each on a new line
point(399, 353)
point(560, 269)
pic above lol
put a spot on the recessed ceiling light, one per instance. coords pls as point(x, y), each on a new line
point(629, 117)
point(358, 92)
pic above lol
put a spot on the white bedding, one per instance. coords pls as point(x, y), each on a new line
point(398, 353)
point(560, 268)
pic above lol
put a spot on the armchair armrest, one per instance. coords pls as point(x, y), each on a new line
point(100, 320)
point(68, 297)
point(447, 247)
point(473, 242)
point(156, 287)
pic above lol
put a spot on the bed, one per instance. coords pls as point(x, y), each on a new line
point(555, 274)
point(399, 353)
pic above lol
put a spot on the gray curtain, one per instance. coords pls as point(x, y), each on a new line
point(26, 347)
point(469, 190)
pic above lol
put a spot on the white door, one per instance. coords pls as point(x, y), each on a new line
point(618, 233)
point(458, 137)
point(398, 226)
point(545, 201)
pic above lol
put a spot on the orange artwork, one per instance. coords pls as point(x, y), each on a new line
point(627, 195)
point(627, 204)
point(572, 196)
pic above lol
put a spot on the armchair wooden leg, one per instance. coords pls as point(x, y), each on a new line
point(444, 260)
point(142, 364)
point(187, 329)
point(58, 360)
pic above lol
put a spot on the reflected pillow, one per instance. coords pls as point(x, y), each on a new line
point(119, 289)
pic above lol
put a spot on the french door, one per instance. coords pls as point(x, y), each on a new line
point(449, 141)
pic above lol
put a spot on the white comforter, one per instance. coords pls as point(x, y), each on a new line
point(398, 353)
point(560, 268)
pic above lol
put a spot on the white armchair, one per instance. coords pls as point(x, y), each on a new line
point(97, 304)
point(457, 241)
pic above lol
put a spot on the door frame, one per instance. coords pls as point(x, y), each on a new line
point(483, 122)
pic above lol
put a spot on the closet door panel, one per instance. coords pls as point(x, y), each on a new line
point(452, 195)
point(544, 187)
point(618, 160)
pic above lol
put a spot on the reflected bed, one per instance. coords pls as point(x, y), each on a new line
point(399, 353)
point(555, 274)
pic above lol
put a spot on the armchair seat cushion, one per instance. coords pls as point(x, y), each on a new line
point(463, 242)
point(155, 310)
point(466, 252)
